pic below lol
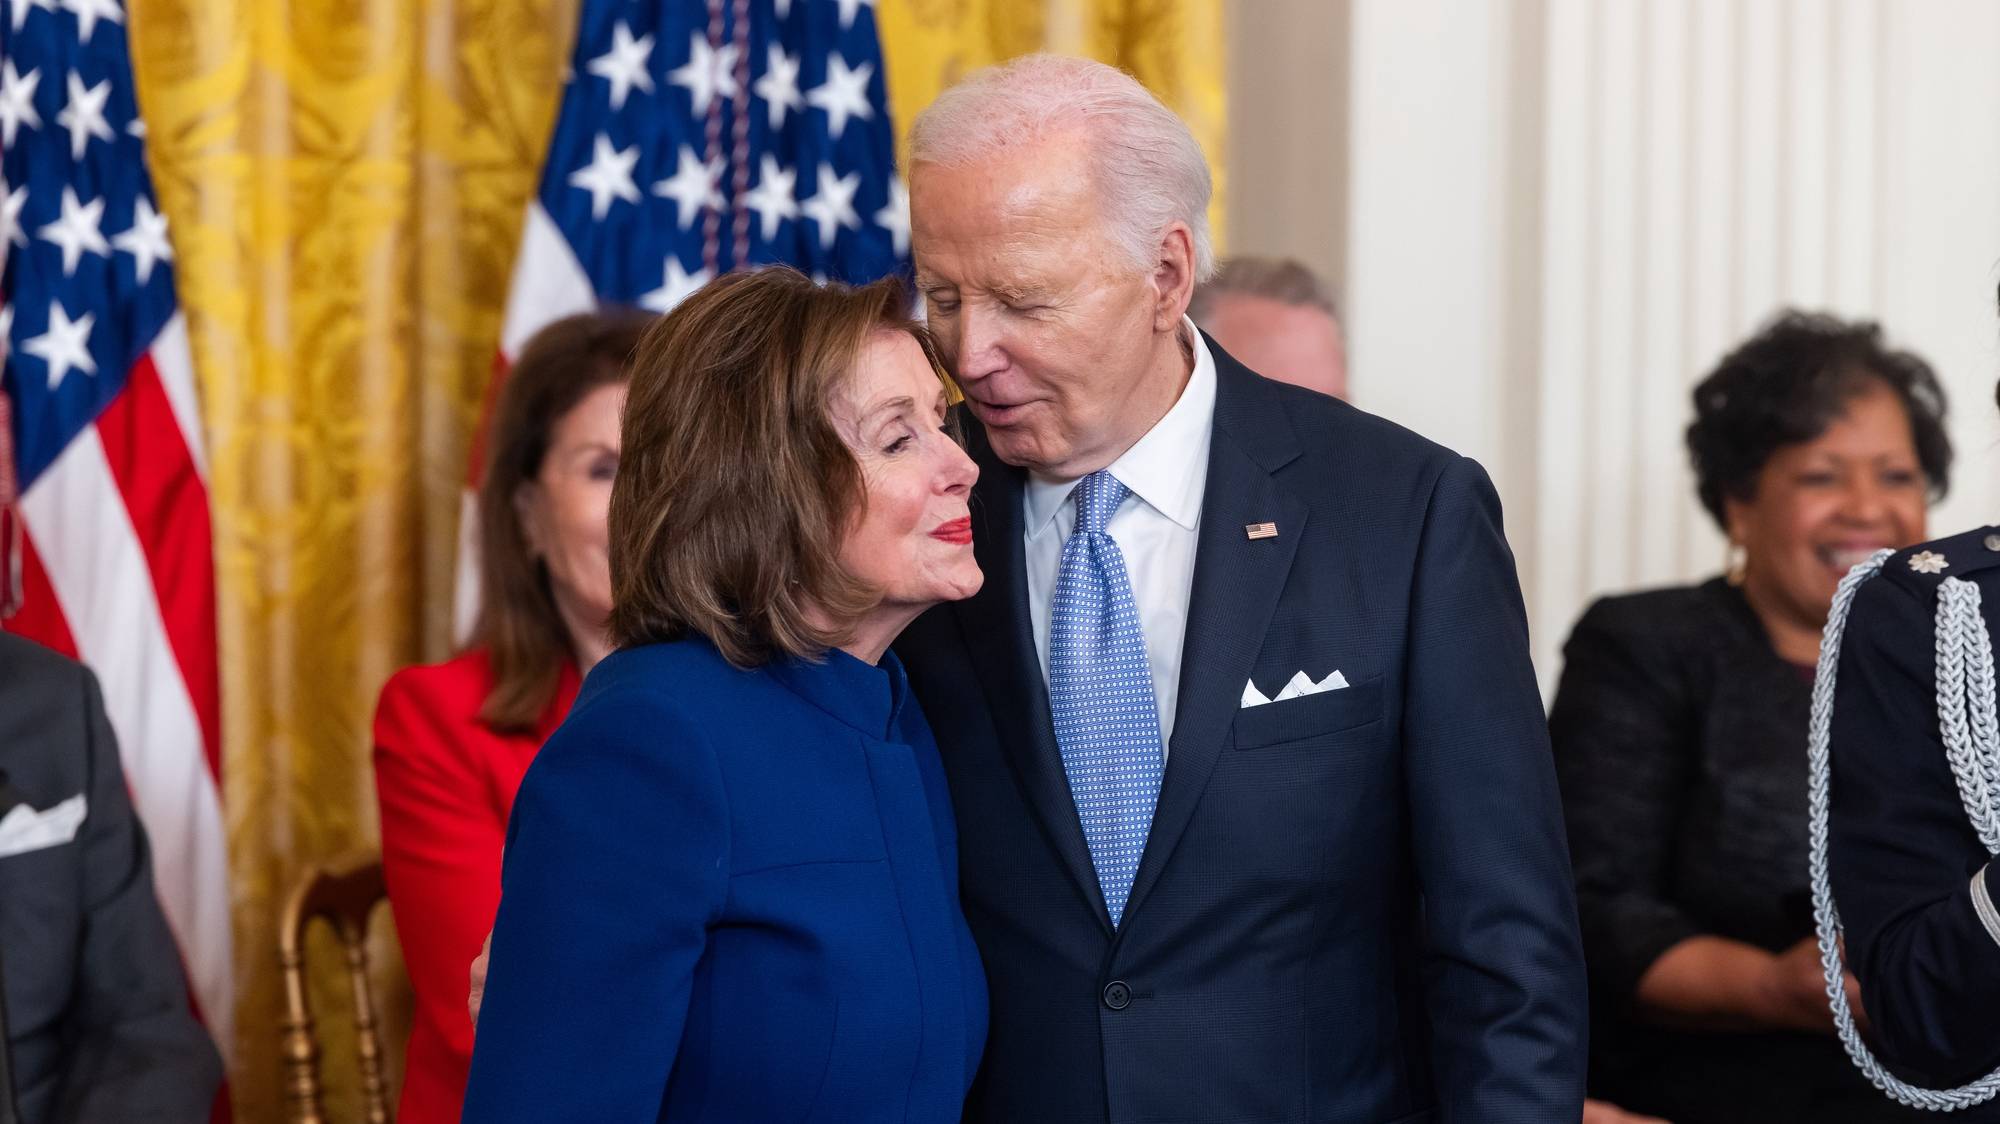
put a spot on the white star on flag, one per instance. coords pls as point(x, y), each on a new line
point(77, 230)
point(17, 101)
point(784, 8)
point(833, 207)
point(772, 198)
point(707, 73)
point(779, 87)
point(849, 9)
point(19, 9)
point(10, 220)
point(693, 186)
point(146, 241)
point(678, 286)
point(895, 215)
point(844, 94)
point(65, 346)
point(88, 12)
point(624, 65)
point(84, 116)
point(607, 176)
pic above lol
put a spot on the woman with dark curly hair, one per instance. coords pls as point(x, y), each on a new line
point(1679, 724)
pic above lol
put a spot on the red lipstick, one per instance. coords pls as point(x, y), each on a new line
point(957, 532)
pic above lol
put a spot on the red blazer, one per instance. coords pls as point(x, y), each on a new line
point(446, 784)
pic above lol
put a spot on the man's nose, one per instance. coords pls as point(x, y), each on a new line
point(979, 350)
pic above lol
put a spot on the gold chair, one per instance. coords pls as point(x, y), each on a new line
point(344, 894)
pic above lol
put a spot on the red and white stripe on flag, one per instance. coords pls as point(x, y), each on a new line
point(116, 557)
point(118, 571)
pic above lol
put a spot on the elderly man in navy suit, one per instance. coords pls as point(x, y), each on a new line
point(1257, 816)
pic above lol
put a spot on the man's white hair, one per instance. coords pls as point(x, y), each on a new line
point(1148, 171)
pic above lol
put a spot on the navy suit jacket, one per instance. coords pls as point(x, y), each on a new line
point(1353, 906)
point(728, 896)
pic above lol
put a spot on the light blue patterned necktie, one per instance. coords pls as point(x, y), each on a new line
point(1101, 694)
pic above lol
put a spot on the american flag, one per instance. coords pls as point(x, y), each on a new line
point(104, 446)
point(696, 136)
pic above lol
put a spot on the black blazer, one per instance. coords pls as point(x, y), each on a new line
point(97, 1011)
point(1903, 854)
point(1353, 906)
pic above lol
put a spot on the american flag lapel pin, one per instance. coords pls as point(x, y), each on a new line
point(1255, 531)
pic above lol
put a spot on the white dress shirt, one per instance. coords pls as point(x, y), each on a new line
point(1155, 528)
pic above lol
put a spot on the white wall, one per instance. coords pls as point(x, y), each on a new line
point(1562, 212)
point(1287, 141)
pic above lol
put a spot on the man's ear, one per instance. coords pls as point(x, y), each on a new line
point(1173, 277)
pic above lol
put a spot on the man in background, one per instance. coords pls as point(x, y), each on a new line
point(97, 1022)
point(1275, 317)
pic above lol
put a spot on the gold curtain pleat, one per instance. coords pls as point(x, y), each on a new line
point(345, 181)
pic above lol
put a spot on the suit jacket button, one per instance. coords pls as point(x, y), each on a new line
point(1993, 542)
point(1117, 996)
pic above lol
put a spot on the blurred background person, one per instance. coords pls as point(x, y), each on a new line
point(1274, 316)
point(97, 1021)
point(452, 740)
point(731, 884)
point(1679, 727)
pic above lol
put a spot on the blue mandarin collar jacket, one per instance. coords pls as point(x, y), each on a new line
point(732, 895)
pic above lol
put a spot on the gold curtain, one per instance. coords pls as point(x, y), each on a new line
point(345, 181)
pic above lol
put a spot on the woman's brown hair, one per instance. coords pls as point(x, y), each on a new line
point(518, 624)
point(734, 490)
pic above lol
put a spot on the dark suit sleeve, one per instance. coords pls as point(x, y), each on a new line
point(138, 1052)
point(1622, 757)
point(1505, 980)
point(617, 863)
point(1902, 852)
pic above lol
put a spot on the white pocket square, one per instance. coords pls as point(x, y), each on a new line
point(1299, 684)
point(23, 829)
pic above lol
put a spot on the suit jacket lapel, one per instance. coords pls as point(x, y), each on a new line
point(1001, 640)
point(1237, 582)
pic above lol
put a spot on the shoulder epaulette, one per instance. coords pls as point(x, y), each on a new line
point(1926, 565)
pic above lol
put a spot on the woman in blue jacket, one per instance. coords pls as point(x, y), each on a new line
point(730, 890)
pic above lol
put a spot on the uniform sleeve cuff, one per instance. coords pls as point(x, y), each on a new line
point(1982, 903)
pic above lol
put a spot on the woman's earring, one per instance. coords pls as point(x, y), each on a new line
point(1734, 561)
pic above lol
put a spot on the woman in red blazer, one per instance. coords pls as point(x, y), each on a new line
point(452, 740)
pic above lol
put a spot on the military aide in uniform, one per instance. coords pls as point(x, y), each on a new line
point(1906, 840)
